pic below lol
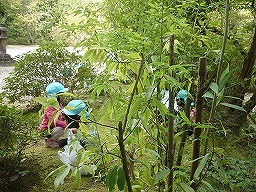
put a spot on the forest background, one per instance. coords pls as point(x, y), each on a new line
point(144, 48)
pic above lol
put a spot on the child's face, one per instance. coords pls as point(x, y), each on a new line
point(61, 98)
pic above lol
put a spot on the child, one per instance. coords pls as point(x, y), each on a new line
point(72, 113)
point(57, 127)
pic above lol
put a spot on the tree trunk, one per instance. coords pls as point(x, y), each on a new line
point(239, 91)
point(198, 119)
point(170, 150)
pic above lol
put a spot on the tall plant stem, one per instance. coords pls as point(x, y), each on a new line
point(218, 74)
point(184, 134)
point(121, 129)
point(170, 151)
point(124, 158)
point(198, 119)
point(133, 91)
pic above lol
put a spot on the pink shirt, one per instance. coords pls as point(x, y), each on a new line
point(47, 115)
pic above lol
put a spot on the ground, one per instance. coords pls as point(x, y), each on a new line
point(47, 160)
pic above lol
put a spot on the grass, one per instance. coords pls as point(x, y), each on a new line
point(46, 160)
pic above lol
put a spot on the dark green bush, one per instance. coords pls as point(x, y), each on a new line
point(234, 173)
point(15, 136)
point(33, 71)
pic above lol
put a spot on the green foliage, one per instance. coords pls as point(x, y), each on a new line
point(35, 70)
point(233, 173)
point(15, 136)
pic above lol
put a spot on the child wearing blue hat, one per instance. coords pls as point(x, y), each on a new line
point(73, 112)
point(57, 127)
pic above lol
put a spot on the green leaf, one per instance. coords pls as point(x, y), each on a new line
point(154, 153)
point(133, 56)
point(53, 119)
point(111, 178)
point(121, 179)
point(233, 106)
point(234, 98)
point(145, 117)
point(214, 87)
point(208, 185)
point(201, 166)
point(208, 95)
point(149, 92)
point(136, 106)
point(41, 100)
point(161, 107)
point(173, 81)
point(87, 55)
point(224, 78)
point(186, 187)
point(77, 177)
point(60, 177)
point(161, 175)
point(185, 118)
point(219, 97)
point(52, 102)
point(205, 126)
point(52, 172)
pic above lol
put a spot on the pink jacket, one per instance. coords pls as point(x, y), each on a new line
point(47, 115)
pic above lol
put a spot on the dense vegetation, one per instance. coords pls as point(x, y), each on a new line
point(145, 48)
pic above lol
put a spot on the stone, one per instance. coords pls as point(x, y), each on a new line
point(5, 59)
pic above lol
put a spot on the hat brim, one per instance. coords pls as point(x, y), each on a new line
point(63, 90)
point(68, 112)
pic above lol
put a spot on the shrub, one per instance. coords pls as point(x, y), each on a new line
point(15, 136)
point(34, 70)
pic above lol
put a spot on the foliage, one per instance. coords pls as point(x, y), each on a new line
point(233, 173)
point(15, 136)
point(35, 70)
point(119, 45)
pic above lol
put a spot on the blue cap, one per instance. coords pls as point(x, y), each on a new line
point(76, 107)
point(54, 88)
point(182, 94)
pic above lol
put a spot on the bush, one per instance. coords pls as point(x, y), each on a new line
point(35, 70)
point(15, 136)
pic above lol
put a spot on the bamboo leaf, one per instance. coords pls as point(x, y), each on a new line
point(149, 92)
point(154, 153)
point(111, 179)
point(205, 126)
point(121, 179)
point(186, 187)
point(41, 100)
point(145, 117)
point(224, 78)
point(161, 107)
point(233, 106)
point(136, 106)
point(87, 55)
point(208, 185)
point(185, 118)
point(214, 87)
point(208, 95)
point(77, 178)
point(60, 177)
point(201, 166)
point(161, 175)
point(220, 96)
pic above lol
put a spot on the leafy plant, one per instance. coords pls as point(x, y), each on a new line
point(15, 136)
point(35, 70)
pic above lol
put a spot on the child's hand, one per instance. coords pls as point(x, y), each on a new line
point(74, 130)
point(41, 129)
